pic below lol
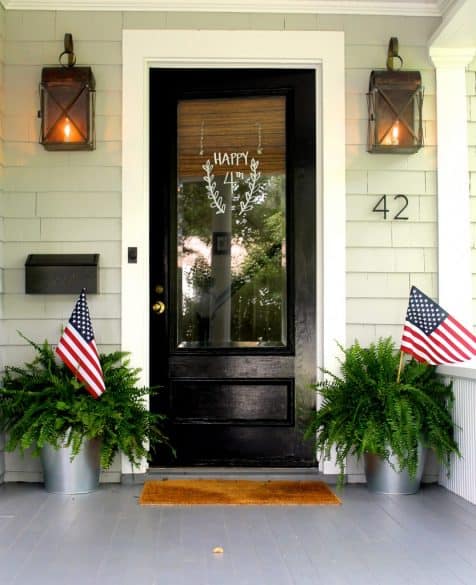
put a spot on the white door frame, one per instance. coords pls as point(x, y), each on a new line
point(319, 50)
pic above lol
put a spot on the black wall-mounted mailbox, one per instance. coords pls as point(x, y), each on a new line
point(61, 273)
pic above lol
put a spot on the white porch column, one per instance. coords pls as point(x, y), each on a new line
point(454, 242)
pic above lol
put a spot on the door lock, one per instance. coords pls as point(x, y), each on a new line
point(158, 307)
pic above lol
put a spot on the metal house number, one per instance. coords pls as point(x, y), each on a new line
point(401, 203)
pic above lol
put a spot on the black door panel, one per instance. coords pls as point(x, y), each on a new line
point(232, 252)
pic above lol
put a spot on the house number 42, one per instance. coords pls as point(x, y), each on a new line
point(398, 206)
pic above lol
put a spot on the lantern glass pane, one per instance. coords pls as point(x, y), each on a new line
point(67, 104)
point(393, 129)
point(66, 115)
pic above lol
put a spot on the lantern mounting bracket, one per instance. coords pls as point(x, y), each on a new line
point(68, 51)
point(392, 54)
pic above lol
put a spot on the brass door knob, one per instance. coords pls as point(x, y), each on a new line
point(158, 307)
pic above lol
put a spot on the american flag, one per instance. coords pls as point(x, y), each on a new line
point(432, 335)
point(78, 350)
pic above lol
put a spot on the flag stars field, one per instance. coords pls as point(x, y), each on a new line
point(425, 313)
point(81, 320)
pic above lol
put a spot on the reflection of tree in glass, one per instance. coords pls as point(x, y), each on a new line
point(200, 276)
point(259, 285)
point(195, 212)
point(201, 280)
point(258, 266)
point(248, 228)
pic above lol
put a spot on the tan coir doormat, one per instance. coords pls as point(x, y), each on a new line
point(193, 492)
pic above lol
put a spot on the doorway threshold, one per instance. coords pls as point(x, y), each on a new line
point(257, 473)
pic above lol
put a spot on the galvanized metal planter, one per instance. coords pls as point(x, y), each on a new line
point(383, 479)
point(78, 476)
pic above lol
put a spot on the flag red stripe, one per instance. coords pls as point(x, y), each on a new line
point(438, 353)
point(82, 373)
point(79, 374)
point(408, 346)
point(71, 349)
point(76, 371)
point(78, 368)
point(76, 345)
point(457, 334)
point(90, 348)
point(421, 352)
point(464, 331)
point(442, 330)
point(439, 338)
point(420, 356)
point(438, 343)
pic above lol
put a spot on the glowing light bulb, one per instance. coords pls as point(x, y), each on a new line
point(395, 133)
point(67, 130)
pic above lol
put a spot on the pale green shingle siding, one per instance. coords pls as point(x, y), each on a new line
point(71, 202)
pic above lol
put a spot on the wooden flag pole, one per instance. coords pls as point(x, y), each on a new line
point(400, 366)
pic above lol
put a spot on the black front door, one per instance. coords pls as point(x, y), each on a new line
point(232, 263)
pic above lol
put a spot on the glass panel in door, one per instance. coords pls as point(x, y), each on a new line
point(231, 223)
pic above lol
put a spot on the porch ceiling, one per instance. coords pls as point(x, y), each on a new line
point(458, 29)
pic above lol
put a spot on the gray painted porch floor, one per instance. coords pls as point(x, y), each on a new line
point(107, 538)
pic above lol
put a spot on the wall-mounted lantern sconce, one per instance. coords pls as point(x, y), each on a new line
point(395, 101)
point(67, 104)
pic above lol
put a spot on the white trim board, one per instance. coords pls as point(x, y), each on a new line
point(378, 7)
point(322, 51)
point(454, 214)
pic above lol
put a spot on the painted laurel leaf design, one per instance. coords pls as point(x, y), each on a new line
point(255, 190)
point(213, 193)
point(255, 193)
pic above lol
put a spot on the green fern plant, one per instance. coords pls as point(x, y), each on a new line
point(42, 403)
point(365, 409)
